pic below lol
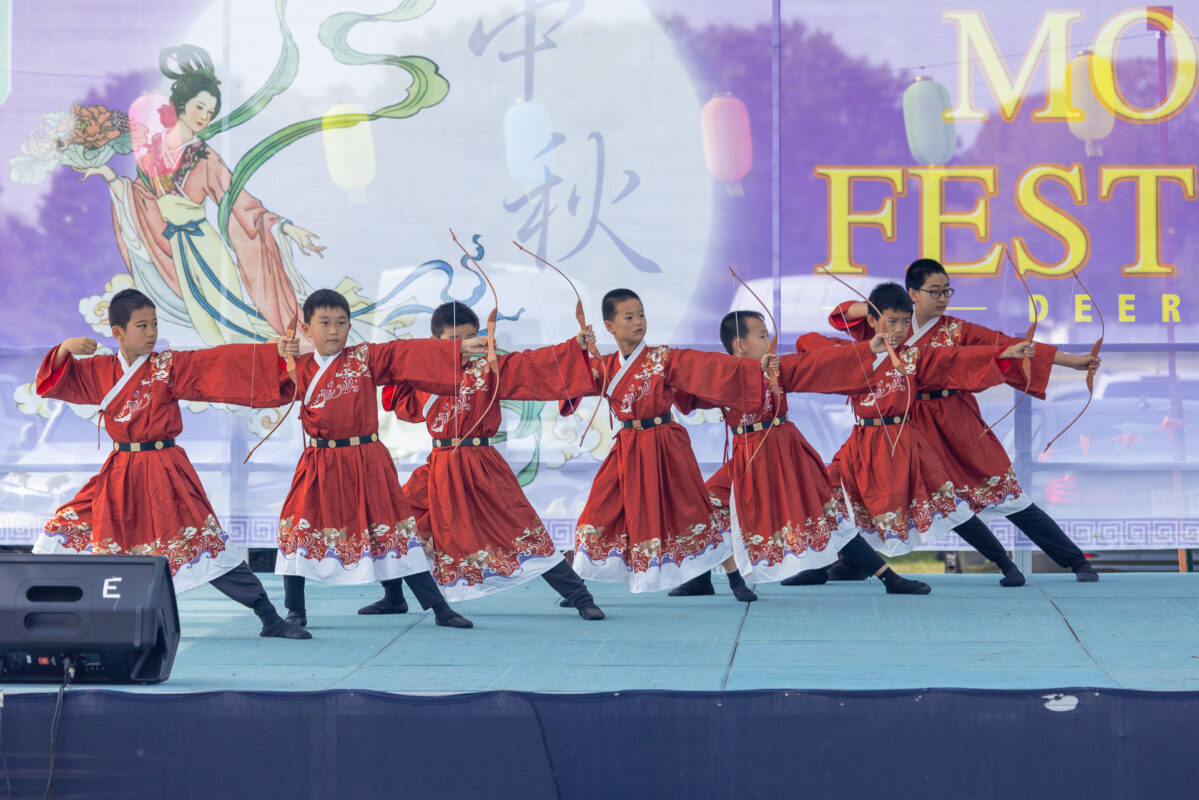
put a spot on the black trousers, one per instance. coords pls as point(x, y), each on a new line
point(422, 585)
point(566, 582)
point(976, 534)
point(1046, 534)
point(241, 585)
point(858, 553)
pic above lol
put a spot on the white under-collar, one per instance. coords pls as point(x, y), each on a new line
point(322, 361)
point(126, 366)
point(918, 331)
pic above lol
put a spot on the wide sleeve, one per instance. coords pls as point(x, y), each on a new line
point(723, 380)
point(560, 372)
point(686, 402)
point(1041, 364)
point(429, 364)
point(857, 328)
point(828, 370)
point(258, 258)
point(405, 402)
point(76, 381)
point(969, 369)
point(237, 374)
point(810, 342)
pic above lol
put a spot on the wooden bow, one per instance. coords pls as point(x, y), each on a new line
point(295, 386)
point(1028, 337)
point(582, 319)
point(772, 375)
point(1090, 371)
point(895, 362)
point(493, 362)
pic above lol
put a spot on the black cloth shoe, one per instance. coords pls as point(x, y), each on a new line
point(1012, 577)
point(809, 577)
point(698, 586)
point(447, 617)
point(385, 606)
point(744, 593)
point(297, 618)
point(902, 585)
point(897, 584)
point(591, 612)
point(282, 629)
point(845, 572)
point(1085, 573)
point(454, 620)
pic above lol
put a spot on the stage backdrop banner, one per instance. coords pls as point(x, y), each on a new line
point(1047, 156)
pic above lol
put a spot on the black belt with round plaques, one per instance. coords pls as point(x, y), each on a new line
point(334, 443)
point(474, 441)
point(760, 426)
point(644, 424)
point(937, 394)
point(140, 447)
point(867, 422)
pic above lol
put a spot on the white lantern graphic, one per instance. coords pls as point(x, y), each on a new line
point(1097, 121)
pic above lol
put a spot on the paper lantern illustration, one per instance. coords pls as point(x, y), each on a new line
point(349, 151)
point(149, 115)
point(932, 139)
point(728, 148)
point(529, 143)
point(1097, 121)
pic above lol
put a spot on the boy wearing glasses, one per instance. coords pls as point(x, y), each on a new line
point(950, 420)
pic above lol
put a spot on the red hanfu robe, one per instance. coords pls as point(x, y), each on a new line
point(152, 502)
point(647, 520)
point(903, 499)
point(976, 462)
point(785, 512)
point(484, 534)
point(346, 519)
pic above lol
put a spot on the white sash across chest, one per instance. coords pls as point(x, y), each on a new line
point(625, 367)
point(320, 371)
point(130, 371)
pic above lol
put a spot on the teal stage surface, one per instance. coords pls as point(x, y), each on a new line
point(1126, 631)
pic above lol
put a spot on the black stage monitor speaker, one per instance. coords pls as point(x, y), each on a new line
point(114, 616)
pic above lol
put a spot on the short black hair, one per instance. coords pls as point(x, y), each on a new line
point(616, 296)
point(324, 298)
point(451, 315)
point(920, 270)
point(889, 297)
point(124, 303)
point(733, 327)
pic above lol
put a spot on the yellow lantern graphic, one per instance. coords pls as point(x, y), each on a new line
point(349, 152)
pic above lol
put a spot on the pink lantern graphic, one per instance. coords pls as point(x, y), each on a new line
point(149, 115)
point(728, 148)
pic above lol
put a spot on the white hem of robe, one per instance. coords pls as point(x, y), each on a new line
point(367, 569)
point(614, 569)
point(189, 576)
point(940, 525)
point(531, 568)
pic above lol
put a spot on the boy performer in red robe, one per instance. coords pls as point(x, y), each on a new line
point(951, 421)
point(147, 498)
point(484, 534)
point(647, 521)
point(346, 519)
point(899, 492)
point(786, 513)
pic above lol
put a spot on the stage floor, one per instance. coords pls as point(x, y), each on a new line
point(1126, 631)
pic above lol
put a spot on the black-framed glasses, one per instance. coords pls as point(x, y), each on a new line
point(937, 294)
